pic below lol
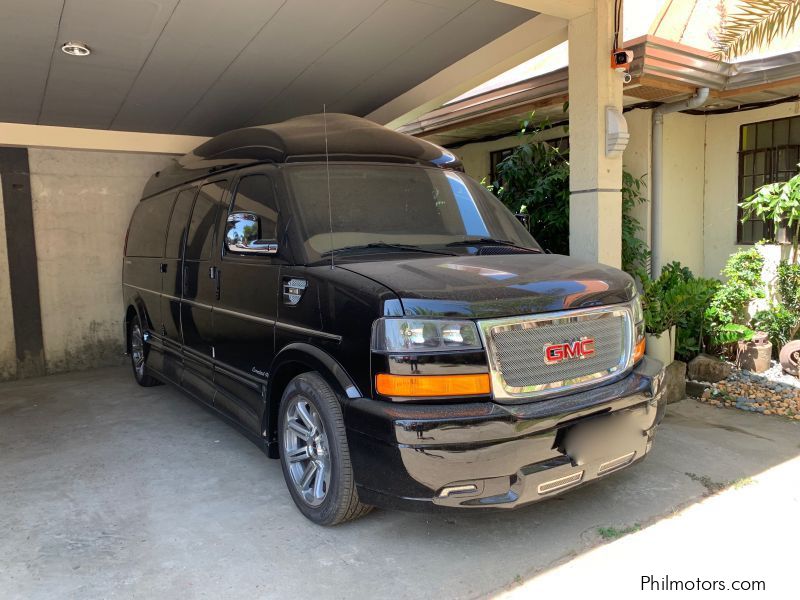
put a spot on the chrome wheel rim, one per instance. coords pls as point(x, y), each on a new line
point(137, 351)
point(306, 451)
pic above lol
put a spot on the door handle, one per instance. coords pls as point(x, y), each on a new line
point(162, 268)
point(212, 272)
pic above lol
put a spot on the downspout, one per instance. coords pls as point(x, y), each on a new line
point(696, 101)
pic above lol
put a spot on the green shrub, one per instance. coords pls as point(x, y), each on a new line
point(782, 321)
point(678, 298)
point(697, 294)
point(635, 251)
point(534, 179)
point(727, 317)
point(789, 285)
point(779, 322)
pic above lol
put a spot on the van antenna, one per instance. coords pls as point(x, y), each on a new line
point(328, 175)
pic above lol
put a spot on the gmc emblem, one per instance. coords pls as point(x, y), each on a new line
point(555, 353)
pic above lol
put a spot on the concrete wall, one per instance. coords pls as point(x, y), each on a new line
point(82, 202)
point(683, 179)
point(8, 353)
point(721, 181)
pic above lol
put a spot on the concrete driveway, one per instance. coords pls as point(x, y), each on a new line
point(111, 490)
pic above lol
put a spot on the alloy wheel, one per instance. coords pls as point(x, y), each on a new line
point(306, 451)
point(137, 351)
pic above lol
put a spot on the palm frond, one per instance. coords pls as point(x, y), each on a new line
point(756, 24)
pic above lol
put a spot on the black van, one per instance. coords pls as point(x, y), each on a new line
point(380, 322)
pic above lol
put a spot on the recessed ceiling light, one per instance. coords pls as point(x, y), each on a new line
point(76, 49)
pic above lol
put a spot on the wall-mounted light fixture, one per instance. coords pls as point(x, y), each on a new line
point(617, 135)
point(76, 49)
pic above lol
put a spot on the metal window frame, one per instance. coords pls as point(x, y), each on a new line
point(771, 173)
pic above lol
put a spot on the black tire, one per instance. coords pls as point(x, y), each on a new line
point(138, 351)
point(340, 502)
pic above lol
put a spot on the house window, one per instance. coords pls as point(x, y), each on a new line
point(768, 152)
point(495, 158)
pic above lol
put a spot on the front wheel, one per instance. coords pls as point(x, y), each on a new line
point(314, 454)
point(139, 355)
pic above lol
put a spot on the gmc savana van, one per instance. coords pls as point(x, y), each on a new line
point(382, 324)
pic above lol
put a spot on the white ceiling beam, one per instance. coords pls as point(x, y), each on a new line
point(75, 138)
point(565, 9)
point(518, 45)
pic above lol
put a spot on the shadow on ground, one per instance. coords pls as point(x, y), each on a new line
point(111, 489)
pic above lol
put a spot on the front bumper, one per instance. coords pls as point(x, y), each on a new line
point(493, 455)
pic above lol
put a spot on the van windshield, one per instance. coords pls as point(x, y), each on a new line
point(376, 206)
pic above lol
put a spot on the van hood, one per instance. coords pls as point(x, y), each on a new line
point(496, 285)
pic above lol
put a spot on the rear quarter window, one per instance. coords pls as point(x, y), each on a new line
point(148, 226)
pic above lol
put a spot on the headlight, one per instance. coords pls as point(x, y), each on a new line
point(636, 306)
point(424, 335)
point(638, 323)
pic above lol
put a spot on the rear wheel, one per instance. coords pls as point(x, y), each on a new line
point(139, 355)
point(314, 454)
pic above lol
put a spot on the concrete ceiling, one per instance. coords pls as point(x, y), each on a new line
point(205, 66)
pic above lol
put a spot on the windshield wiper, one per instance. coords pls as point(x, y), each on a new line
point(409, 247)
point(486, 241)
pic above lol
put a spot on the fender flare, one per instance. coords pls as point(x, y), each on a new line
point(317, 359)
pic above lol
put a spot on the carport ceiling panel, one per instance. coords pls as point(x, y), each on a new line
point(391, 30)
point(192, 67)
point(88, 92)
point(198, 43)
point(374, 43)
point(480, 23)
point(299, 33)
point(29, 31)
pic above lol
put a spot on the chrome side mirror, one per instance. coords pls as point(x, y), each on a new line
point(243, 235)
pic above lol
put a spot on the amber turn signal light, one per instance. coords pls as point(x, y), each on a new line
point(414, 386)
point(638, 351)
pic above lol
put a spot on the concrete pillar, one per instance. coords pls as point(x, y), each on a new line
point(595, 180)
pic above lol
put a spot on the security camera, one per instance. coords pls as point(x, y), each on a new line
point(621, 60)
point(626, 78)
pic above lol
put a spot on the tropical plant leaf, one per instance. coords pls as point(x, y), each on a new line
point(757, 23)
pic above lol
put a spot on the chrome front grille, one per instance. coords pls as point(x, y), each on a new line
point(516, 349)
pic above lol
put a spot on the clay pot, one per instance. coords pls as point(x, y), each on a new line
point(790, 358)
point(755, 355)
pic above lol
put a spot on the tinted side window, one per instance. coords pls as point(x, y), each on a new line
point(177, 224)
point(255, 194)
point(148, 224)
point(201, 227)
